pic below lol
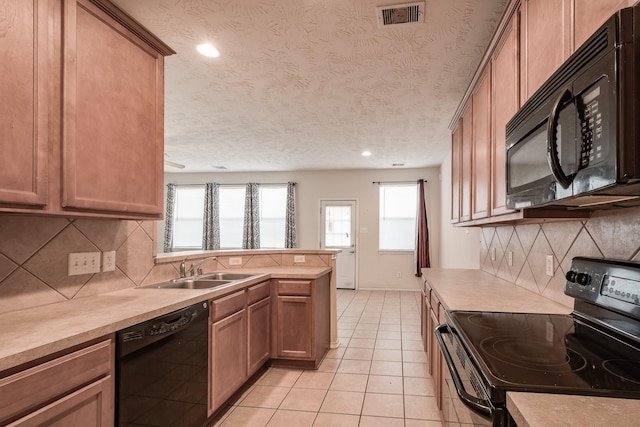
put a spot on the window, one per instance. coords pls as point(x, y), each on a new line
point(189, 210)
point(231, 205)
point(398, 205)
point(273, 212)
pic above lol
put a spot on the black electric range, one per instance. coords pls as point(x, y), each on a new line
point(595, 350)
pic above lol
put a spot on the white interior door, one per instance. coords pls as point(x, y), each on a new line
point(339, 232)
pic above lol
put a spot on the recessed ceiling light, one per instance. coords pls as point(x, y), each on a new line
point(366, 153)
point(207, 50)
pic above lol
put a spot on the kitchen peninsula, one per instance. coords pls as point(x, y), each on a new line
point(81, 331)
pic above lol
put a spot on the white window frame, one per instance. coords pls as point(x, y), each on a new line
point(177, 217)
point(382, 215)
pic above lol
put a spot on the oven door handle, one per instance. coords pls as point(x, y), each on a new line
point(478, 405)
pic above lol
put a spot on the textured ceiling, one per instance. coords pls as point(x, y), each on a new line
point(310, 84)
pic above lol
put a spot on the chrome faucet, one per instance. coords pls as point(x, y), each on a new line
point(183, 268)
point(195, 269)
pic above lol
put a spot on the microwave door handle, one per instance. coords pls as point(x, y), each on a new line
point(552, 141)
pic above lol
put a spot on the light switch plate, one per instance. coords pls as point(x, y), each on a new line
point(235, 260)
point(299, 259)
point(492, 251)
point(510, 258)
point(83, 263)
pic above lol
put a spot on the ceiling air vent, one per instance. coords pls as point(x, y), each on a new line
point(406, 13)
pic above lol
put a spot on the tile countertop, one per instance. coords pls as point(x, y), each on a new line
point(561, 410)
point(27, 335)
point(476, 290)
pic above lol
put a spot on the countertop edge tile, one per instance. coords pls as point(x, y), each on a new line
point(544, 410)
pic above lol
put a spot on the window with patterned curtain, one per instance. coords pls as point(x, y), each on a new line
point(214, 216)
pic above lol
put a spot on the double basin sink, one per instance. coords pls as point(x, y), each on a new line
point(206, 281)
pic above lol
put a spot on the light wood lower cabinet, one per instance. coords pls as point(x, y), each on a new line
point(294, 323)
point(228, 357)
point(76, 389)
point(240, 340)
point(301, 322)
point(228, 347)
point(259, 339)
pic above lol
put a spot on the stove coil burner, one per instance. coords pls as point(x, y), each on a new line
point(627, 370)
point(538, 356)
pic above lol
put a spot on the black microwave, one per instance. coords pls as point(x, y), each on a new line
point(576, 142)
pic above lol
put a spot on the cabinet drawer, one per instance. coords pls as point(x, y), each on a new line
point(258, 292)
point(225, 306)
point(33, 387)
point(294, 287)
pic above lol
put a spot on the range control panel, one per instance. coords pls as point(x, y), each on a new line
point(609, 283)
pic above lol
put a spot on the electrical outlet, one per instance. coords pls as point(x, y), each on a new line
point(299, 258)
point(83, 263)
point(492, 251)
point(235, 260)
point(510, 258)
point(109, 261)
point(549, 265)
point(398, 274)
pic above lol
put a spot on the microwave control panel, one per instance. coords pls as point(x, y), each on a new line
point(592, 126)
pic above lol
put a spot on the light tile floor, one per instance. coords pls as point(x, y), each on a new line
point(377, 377)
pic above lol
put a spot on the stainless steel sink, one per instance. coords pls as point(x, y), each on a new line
point(193, 284)
point(226, 276)
point(206, 281)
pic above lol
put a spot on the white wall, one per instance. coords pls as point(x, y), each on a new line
point(459, 246)
point(375, 270)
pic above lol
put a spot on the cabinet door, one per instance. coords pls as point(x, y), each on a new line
point(26, 67)
point(294, 337)
point(504, 104)
point(545, 40)
point(481, 145)
point(435, 358)
point(228, 340)
point(112, 136)
point(589, 15)
point(259, 340)
point(91, 406)
point(466, 163)
point(456, 171)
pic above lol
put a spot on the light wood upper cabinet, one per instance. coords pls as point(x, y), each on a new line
point(466, 163)
point(24, 110)
point(456, 171)
point(85, 133)
point(504, 104)
point(589, 15)
point(545, 41)
point(112, 136)
point(481, 100)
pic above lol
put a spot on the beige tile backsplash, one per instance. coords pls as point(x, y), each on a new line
point(34, 252)
point(607, 234)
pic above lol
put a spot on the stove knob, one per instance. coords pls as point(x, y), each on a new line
point(583, 279)
point(571, 276)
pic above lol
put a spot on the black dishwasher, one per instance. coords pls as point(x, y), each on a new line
point(161, 370)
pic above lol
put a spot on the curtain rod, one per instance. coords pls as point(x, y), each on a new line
point(237, 185)
point(396, 182)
